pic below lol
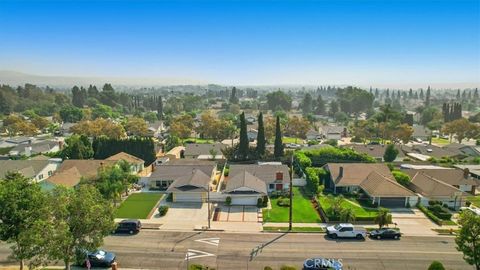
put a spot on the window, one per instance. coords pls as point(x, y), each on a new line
point(40, 176)
point(271, 186)
point(50, 173)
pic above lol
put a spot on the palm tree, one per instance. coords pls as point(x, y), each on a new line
point(384, 217)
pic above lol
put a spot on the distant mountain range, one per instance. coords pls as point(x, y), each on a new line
point(18, 78)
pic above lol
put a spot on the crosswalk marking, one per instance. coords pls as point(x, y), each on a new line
point(192, 254)
point(211, 241)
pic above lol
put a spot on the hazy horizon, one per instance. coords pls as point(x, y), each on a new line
point(396, 44)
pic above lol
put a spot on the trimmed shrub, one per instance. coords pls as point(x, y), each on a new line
point(312, 179)
point(162, 210)
point(283, 202)
point(468, 203)
point(170, 197)
point(228, 200)
point(436, 265)
point(226, 171)
point(259, 202)
point(401, 177)
point(430, 215)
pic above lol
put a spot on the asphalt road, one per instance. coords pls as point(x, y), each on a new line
point(167, 250)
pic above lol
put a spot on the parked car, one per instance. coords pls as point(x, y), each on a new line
point(100, 258)
point(346, 230)
point(385, 233)
point(129, 226)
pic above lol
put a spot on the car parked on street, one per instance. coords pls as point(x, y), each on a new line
point(346, 230)
point(100, 258)
point(129, 226)
point(385, 233)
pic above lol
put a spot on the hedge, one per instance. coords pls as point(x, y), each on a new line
point(430, 215)
point(162, 210)
point(320, 157)
point(312, 178)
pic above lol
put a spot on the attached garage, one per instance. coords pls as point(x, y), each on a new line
point(244, 200)
point(392, 202)
point(188, 197)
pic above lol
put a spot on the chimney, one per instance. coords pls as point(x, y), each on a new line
point(279, 176)
point(466, 173)
point(28, 151)
point(340, 172)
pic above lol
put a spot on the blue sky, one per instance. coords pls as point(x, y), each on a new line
point(247, 42)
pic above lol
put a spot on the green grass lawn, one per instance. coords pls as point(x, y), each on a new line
point(303, 210)
point(138, 205)
point(294, 229)
point(5, 150)
point(475, 200)
point(292, 140)
point(198, 140)
point(358, 210)
point(440, 141)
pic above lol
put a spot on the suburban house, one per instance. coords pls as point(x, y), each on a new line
point(333, 132)
point(41, 147)
point(37, 170)
point(467, 150)
point(185, 171)
point(460, 179)
point(420, 133)
point(424, 152)
point(252, 134)
point(175, 153)
point(72, 171)
point(313, 135)
point(245, 188)
point(137, 164)
point(212, 151)
point(473, 170)
point(429, 188)
point(156, 129)
point(376, 151)
point(192, 186)
point(374, 179)
point(274, 176)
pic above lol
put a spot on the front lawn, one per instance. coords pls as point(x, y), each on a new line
point(360, 212)
point(197, 140)
point(303, 211)
point(294, 229)
point(138, 205)
point(475, 200)
point(292, 140)
point(436, 140)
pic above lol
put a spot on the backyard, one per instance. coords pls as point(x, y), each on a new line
point(360, 211)
point(303, 211)
point(138, 205)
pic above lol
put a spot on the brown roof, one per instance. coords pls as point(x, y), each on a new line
point(72, 171)
point(195, 181)
point(378, 185)
point(266, 172)
point(430, 187)
point(245, 180)
point(172, 171)
point(127, 157)
point(454, 177)
point(431, 150)
point(356, 173)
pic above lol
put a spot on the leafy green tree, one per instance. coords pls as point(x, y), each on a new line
point(333, 107)
point(136, 126)
point(233, 96)
point(160, 108)
point(347, 215)
point(261, 141)
point(307, 104)
point(383, 217)
point(79, 97)
point(172, 142)
point(436, 265)
point(81, 218)
point(468, 238)
point(401, 177)
point(390, 153)
point(278, 146)
point(5, 107)
point(279, 100)
point(113, 180)
point(71, 114)
point(22, 208)
point(77, 147)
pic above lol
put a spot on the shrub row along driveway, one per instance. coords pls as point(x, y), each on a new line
point(303, 211)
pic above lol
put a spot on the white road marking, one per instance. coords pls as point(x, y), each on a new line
point(192, 254)
point(211, 241)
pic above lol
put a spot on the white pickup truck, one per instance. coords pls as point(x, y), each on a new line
point(346, 230)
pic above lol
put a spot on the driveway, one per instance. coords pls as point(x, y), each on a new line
point(182, 216)
point(238, 213)
point(413, 222)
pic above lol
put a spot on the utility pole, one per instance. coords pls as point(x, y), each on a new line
point(291, 195)
point(208, 204)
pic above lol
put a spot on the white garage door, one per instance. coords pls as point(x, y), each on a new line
point(252, 200)
point(188, 197)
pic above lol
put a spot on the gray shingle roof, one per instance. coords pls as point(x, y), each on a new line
point(196, 181)
point(454, 177)
point(380, 186)
point(29, 168)
point(430, 187)
point(245, 180)
point(355, 173)
point(196, 149)
point(266, 173)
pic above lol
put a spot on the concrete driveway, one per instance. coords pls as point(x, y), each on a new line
point(238, 213)
point(413, 222)
point(182, 216)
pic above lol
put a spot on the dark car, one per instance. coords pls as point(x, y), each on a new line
point(100, 258)
point(129, 226)
point(385, 233)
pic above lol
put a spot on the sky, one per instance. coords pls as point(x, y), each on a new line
point(361, 42)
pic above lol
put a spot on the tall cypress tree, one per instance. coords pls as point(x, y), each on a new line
point(278, 147)
point(243, 145)
point(159, 108)
point(427, 97)
point(261, 136)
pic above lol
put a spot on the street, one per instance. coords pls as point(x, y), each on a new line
point(168, 250)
